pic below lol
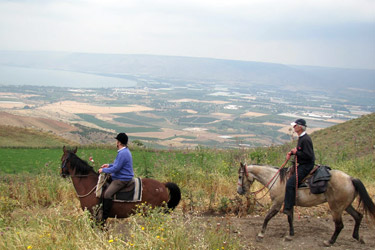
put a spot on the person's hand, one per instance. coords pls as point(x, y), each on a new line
point(294, 151)
point(105, 166)
point(288, 155)
point(100, 170)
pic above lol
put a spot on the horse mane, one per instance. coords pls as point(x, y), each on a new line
point(81, 166)
point(283, 174)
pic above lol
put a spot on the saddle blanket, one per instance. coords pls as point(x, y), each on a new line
point(131, 193)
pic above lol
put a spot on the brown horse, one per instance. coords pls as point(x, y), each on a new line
point(85, 179)
point(341, 192)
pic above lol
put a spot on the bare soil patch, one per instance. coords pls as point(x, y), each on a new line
point(11, 105)
point(222, 115)
point(86, 108)
point(164, 134)
point(190, 111)
point(195, 100)
point(335, 121)
point(310, 232)
point(273, 124)
point(253, 114)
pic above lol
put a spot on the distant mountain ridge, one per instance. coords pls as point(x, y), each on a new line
point(185, 69)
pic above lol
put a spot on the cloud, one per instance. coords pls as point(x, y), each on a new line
point(288, 31)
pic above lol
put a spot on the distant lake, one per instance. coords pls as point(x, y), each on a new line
point(10, 75)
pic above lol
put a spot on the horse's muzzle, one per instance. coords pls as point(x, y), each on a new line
point(241, 191)
point(63, 175)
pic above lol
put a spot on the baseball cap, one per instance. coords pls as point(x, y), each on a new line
point(301, 122)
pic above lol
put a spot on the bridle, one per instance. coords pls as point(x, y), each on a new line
point(63, 165)
point(244, 173)
point(274, 178)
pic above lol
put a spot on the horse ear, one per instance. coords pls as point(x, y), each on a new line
point(242, 165)
point(64, 149)
point(75, 150)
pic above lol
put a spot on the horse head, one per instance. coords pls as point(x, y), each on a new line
point(245, 179)
point(65, 164)
point(72, 165)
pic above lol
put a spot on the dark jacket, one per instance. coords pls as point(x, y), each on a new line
point(305, 150)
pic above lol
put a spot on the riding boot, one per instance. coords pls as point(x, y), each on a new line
point(107, 205)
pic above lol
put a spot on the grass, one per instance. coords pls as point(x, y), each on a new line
point(27, 137)
point(39, 210)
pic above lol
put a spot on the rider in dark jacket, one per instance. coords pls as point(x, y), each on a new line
point(305, 157)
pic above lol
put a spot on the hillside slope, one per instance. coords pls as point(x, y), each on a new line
point(349, 140)
point(348, 145)
point(73, 133)
point(11, 136)
point(8, 119)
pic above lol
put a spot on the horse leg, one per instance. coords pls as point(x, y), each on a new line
point(291, 227)
point(358, 218)
point(337, 218)
point(271, 213)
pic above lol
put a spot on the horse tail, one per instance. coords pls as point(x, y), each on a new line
point(365, 199)
point(174, 195)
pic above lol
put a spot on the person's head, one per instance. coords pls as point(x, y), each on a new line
point(299, 126)
point(122, 139)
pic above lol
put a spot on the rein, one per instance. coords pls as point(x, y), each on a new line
point(92, 190)
point(273, 177)
point(85, 195)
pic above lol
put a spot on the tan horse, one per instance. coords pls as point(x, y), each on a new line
point(85, 179)
point(341, 191)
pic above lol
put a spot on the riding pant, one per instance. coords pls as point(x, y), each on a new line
point(290, 191)
point(115, 186)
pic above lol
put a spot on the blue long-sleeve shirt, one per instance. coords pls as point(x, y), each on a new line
point(122, 167)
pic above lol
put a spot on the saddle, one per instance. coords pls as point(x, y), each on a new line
point(306, 179)
point(317, 179)
point(130, 193)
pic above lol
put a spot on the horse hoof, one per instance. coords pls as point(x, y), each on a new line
point(288, 238)
point(326, 243)
point(361, 241)
point(259, 237)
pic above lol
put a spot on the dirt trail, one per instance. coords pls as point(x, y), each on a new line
point(310, 232)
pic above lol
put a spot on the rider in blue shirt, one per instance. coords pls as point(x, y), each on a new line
point(121, 171)
point(122, 167)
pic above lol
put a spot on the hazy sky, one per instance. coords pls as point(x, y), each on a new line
point(338, 33)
